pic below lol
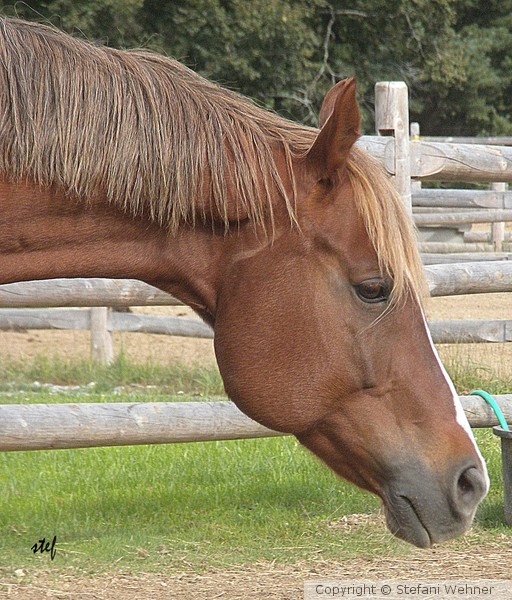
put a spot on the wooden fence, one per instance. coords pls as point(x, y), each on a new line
point(444, 280)
point(411, 160)
point(440, 198)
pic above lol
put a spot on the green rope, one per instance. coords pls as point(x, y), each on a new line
point(494, 405)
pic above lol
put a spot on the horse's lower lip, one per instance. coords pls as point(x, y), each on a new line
point(404, 521)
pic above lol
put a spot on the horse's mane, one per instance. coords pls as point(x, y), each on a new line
point(141, 127)
point(155, 137)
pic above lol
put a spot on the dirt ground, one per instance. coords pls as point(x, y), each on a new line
point(268, 581)
point(493, 358)
point(263, 580)
point(137, 347)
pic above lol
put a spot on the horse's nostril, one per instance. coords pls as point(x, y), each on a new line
point(464, 483)
point(471, 487)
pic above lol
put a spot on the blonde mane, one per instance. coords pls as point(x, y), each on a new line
point(157, 139)
point(140, 127)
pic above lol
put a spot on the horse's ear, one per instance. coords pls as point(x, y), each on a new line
point(340, 123)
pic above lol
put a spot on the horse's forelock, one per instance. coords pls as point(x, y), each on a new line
point(389, 227)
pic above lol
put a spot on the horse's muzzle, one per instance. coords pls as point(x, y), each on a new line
point(425, 508)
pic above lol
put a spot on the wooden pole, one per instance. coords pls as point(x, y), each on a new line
point(102, 349)
point(59, 426)
point(461, 162)
point(480, 414)
point(468, 217)
point(415, 136)
point(456, 198)
point(392, 119)
point(445, 162)
point(498, 228)
point(75, 318)
point(454, 247)
point(44, 318)
point(460, 257)
point(487, 141)
point(165, 325)
point(83, 292)
point(484, 236)
point(469, 278)
point(465, 331)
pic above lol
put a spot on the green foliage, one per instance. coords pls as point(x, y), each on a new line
point(263, 49)
point(455, 55)
point(115, 22)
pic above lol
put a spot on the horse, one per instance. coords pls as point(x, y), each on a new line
point(290, 241)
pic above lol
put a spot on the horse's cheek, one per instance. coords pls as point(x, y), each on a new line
point(282, 359)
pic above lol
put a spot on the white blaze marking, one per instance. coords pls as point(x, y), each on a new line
point(460, 415)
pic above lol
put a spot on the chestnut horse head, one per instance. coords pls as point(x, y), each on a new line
point(289, 241)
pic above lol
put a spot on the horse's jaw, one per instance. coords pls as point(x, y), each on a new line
point(424, 504)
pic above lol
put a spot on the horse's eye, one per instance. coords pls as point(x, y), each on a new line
point(374, 290)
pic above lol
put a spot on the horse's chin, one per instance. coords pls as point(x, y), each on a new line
point(406, 521)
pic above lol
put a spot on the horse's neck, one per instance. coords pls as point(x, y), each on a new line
point(45, 235)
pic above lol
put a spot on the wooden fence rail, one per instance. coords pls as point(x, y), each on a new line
point(469, 278)
point(456, 218)
point(60, 426)
point(501, 140)
point(484, 236)
point(83, 292)
point(462, 198)
point(455, 248)
point(79, 319)
point(461, 257)
point(444, 280)
point(464, 331)
point(12, 319)
point(433, 161)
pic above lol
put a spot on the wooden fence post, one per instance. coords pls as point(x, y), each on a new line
point(102, 350)
point(415, 136)
point(498, 229)
point(392, 119)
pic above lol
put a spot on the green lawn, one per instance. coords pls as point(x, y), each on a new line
point(181, 506)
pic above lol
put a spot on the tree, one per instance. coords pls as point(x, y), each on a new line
point(114, 22)
point(477, 98)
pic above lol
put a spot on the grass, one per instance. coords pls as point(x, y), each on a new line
point(209, 504)
point(469, 376)
point(173, 507)
point(171, 379)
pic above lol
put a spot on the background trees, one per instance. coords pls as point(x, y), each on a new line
point(455, 55)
